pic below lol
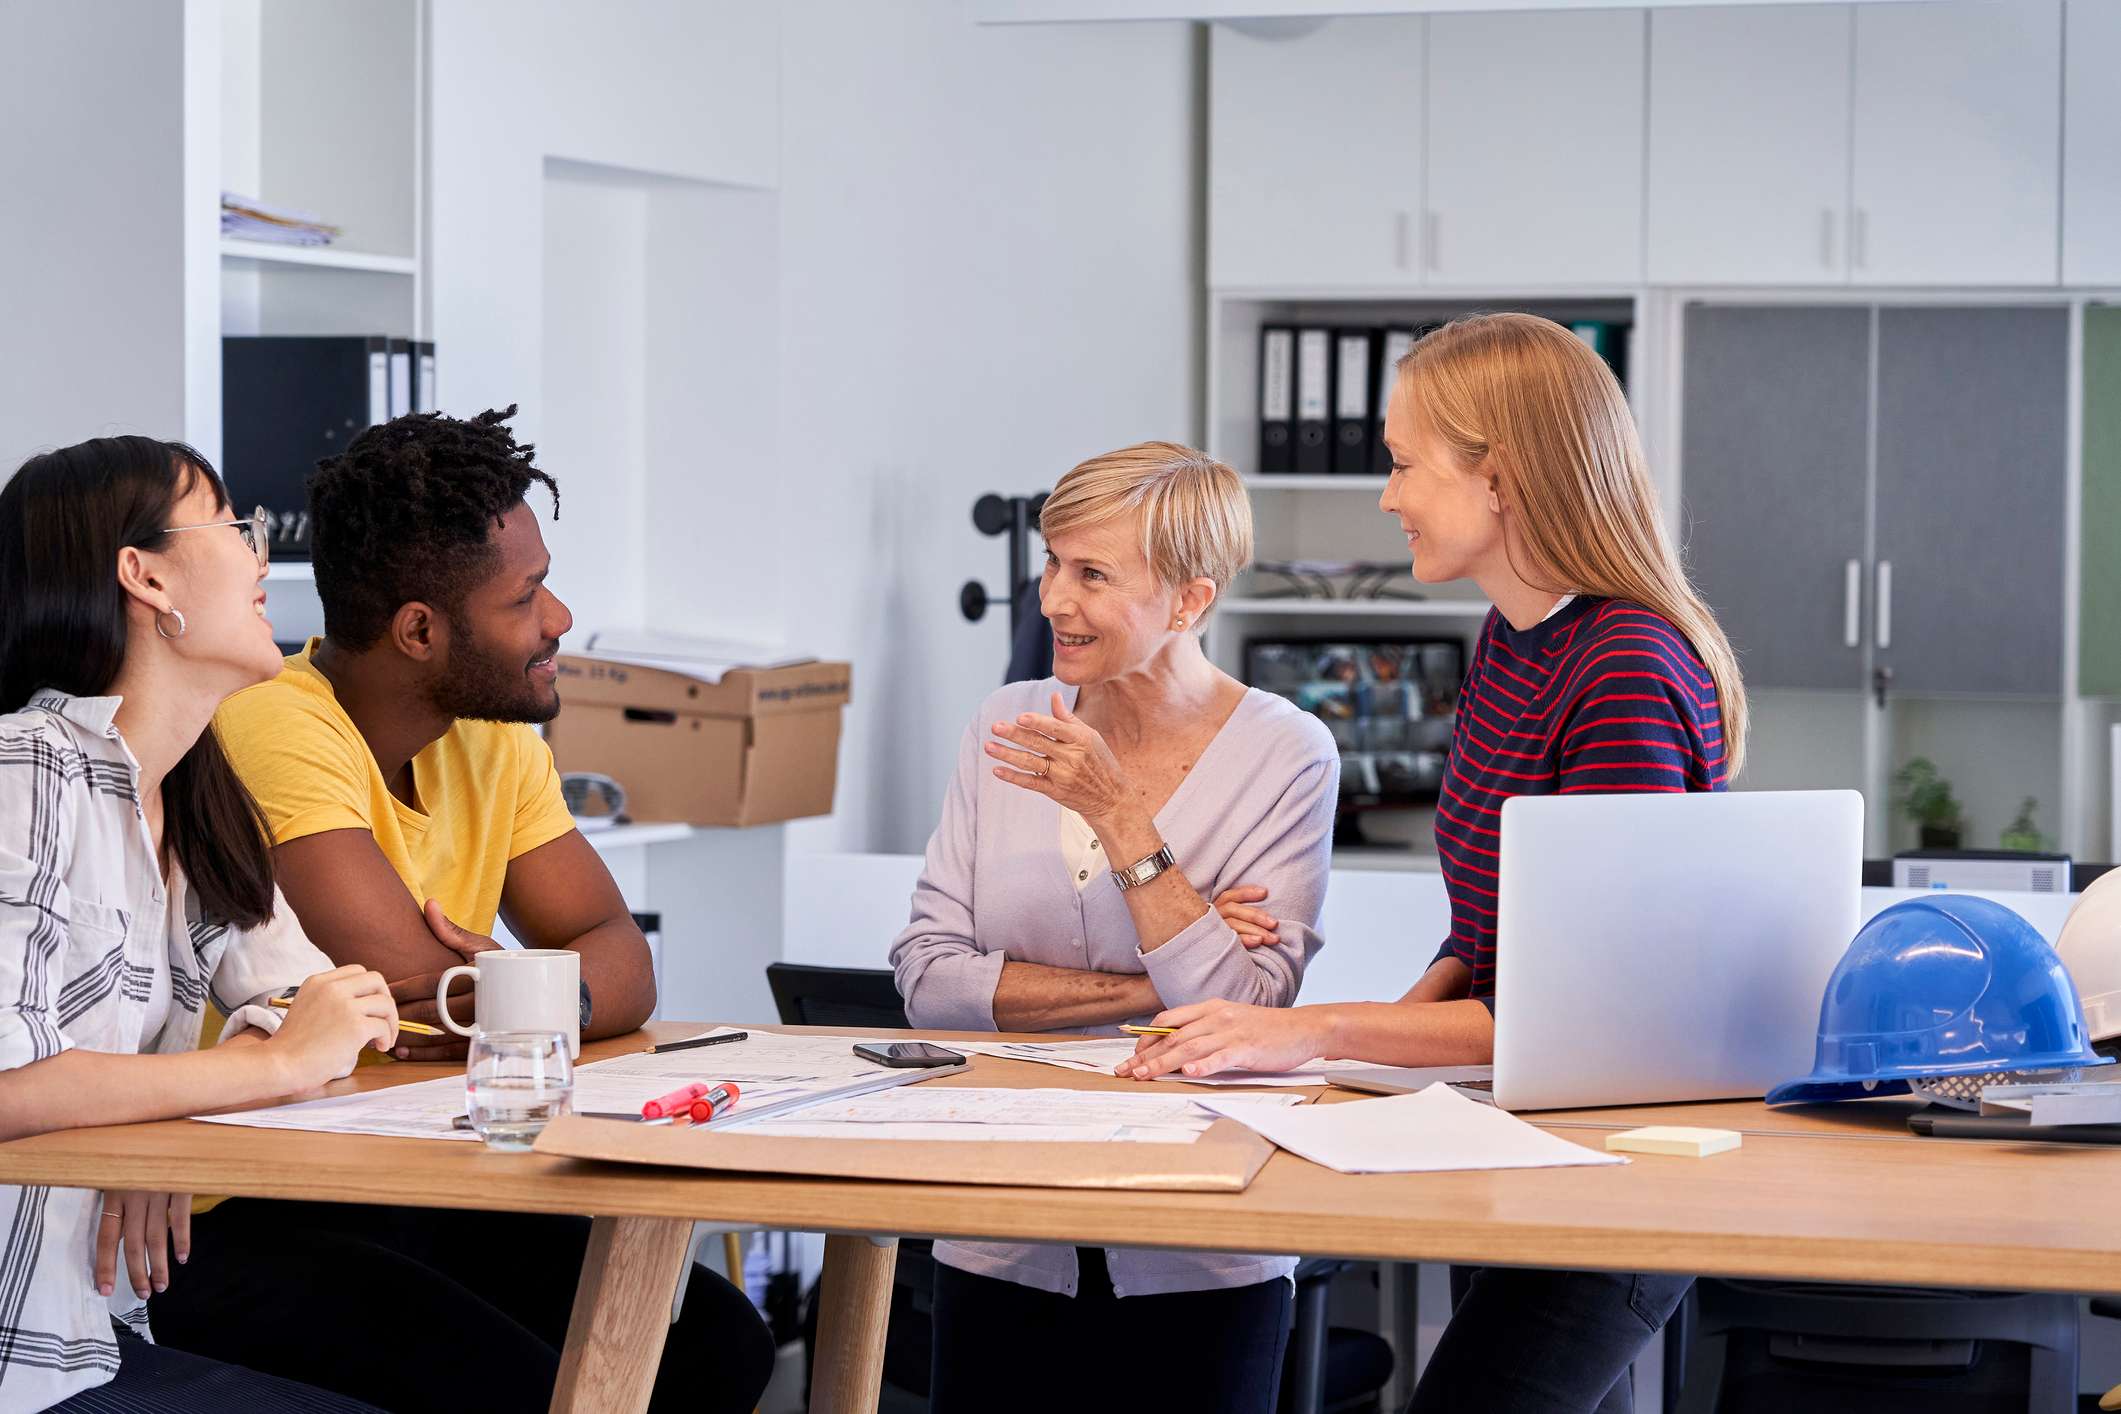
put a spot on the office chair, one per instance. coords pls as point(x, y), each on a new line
point(1329, 1369)
point(835, 996)
point(1749, 1347)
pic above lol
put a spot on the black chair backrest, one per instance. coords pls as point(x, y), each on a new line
point(835, 996)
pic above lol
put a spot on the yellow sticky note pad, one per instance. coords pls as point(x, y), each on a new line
point(1674, 1139)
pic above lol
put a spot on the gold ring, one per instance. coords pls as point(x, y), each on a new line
point(109, 1214)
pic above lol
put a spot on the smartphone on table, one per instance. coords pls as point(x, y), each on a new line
point(908, 1055)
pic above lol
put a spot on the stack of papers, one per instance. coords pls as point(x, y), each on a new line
point(1433, 1131)
point(247, 218)
point(2057, 1102)
point(1021, 1116)
point(774, 1073)
point(707, 659)
point(1099, 1056)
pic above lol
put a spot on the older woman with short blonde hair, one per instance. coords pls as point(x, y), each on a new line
point(1091, 820)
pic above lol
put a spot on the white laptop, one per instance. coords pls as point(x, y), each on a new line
point(1662, 947)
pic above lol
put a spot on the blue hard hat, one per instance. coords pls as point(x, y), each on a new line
point(1942, 986)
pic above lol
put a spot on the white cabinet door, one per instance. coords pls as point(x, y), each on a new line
point(1314, 153)
point(2091, 145)
point(1749, 145)
point(1957, 143)
point(1535, 148)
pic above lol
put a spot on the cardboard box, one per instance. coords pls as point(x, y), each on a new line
point(706, 746)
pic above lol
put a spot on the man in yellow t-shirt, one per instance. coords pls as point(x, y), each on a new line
point(411, 802)
point(395, 759)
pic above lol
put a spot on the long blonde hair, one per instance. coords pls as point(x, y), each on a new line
point(1523, 401)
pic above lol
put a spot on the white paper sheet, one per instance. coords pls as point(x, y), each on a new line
point(1433, 1131)
point(1045, 1116)
point(1099, 1055)
point(2057, 1102)
point(773, 1074)
point(418, 1111)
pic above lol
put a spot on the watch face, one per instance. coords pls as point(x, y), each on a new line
point(585, 1006)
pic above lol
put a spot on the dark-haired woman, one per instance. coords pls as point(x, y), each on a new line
point(134, 886)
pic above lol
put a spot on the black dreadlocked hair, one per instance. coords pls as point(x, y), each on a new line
point(405, 513)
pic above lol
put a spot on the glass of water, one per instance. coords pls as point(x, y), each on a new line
point(514, 1083)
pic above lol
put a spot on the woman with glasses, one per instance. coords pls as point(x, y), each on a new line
point(135, 886)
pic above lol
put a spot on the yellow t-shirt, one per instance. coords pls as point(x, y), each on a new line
point(487, 791)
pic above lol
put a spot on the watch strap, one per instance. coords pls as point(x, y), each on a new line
point(1144, 870)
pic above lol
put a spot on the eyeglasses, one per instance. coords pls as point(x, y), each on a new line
point(253, 531)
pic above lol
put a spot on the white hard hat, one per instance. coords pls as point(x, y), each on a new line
point(2090, 947)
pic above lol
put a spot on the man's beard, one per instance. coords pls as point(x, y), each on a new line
point(486, 686)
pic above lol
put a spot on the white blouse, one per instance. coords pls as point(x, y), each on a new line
point(96, 952)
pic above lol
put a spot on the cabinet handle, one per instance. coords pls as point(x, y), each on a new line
point(1860, 238)
point(1852, 605)
point(1400, 232)
point(1826, 238)
point(1431, 224)
point(1885, 603)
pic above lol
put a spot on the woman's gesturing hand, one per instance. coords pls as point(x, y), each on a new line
point(1061, 758)
point(1218, 1035)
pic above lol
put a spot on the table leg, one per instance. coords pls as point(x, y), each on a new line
point(854, 1306)
point(621, 1315)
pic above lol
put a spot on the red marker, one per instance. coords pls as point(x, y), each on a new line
point(675, 1103)
point(711, 1104)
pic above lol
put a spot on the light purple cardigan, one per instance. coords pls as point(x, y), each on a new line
point(1257, 808)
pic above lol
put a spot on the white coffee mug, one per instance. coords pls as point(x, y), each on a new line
point(521, 989)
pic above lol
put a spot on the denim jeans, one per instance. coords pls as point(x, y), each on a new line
point(1539, 1342)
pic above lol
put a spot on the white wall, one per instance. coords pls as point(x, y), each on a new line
point(92, 223)
point(623, 103)
point(988, 246)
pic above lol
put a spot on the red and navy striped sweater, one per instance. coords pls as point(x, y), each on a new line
point(1603, 696)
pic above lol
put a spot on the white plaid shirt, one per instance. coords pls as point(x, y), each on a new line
point(86, 938)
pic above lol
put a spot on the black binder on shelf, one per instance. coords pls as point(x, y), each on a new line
point(286, 404)
point(1277, 400)
point(1354, 376)
point(1392, 346)
point(423, 377)
point(1314, 402)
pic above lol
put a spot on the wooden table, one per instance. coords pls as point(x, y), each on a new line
point(1831, 1194)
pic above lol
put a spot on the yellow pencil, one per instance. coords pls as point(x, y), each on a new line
point(1150, 1030)
point(417, 1028)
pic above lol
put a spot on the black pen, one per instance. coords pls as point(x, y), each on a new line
point(697, 1042)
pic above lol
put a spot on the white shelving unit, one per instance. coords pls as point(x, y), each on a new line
point(1368, 484)
point(1337, 517)
point(239, 254)
point(1456, 610)
point(321, 110)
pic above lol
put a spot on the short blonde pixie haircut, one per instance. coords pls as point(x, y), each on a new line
point(1196, 521)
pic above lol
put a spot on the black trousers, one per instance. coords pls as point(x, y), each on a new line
point(152, 1379)
point(1534, 1342)
point(999, 1345)
point(418, 1310)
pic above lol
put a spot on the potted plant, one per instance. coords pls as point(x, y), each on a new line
point(1926, 798)
point(2022, 833)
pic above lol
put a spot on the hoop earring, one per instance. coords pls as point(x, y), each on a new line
point(178, 615)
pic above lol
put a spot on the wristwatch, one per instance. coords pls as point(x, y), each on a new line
point(1135, 875)
point(585, 1005)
